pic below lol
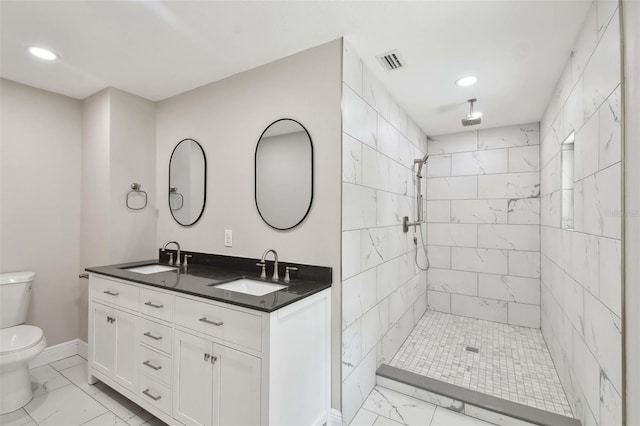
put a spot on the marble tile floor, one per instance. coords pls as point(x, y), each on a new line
point(385, 407)
point(62, 397)
point(512, 362)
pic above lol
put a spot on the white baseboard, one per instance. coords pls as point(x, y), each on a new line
point(83, 349)
point(60, 351)
point(335, 418)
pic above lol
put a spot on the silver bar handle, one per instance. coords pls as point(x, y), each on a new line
point(83, 276)
point(150, 395)
point(111, 293)
point(148, 334)
point(153, 305)
point(205, 320)
point(155, 367)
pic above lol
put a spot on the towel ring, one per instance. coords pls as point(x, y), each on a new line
point(174, 191)
point(135, 188)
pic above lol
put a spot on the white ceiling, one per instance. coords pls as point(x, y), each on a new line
point(159, 49)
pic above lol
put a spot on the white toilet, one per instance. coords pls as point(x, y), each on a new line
point(19, 344)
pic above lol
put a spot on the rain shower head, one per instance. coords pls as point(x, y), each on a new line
point(474, 117)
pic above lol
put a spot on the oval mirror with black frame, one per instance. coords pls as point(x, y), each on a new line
point(284, 174)
point(187, 182)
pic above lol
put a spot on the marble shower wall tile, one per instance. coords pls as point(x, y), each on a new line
point(524, 264)
point(383, 292)
point(351, 160)
point(524, 159)
point(509, 237)
point(512, 185)
point(610, 130)
point(524, 211)
point(479, 162)
point(479, 260)
point(581, 281)
point(479, 211)
point(457, 142)
point(453, 188)
point(506, 137)
point(511, 289)
point(352, 69)
point(484, 216)
point(359, 120)
point(477, 307)
point(451, 281)
point(602, 73)
point(439, 166)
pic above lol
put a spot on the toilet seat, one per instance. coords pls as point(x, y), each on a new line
point(19, 338)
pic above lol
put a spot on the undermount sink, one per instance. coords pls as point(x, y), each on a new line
point(151, 269)
point(252, 287)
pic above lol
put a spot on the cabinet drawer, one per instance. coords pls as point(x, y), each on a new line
point(155, 393)
point(117, 293)
point(156, 335)
point(233, 326)
point(156, 304)
point(155, 365)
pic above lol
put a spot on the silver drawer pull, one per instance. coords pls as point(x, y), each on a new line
point(155, 367)
point(111, 293)
point(205, 320)
point(150, 395)
point(153, 305)
point(148, 334)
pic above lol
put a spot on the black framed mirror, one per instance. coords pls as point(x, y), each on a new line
point(284, 174)
point(187, 182)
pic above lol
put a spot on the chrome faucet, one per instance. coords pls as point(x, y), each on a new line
point(177, 262)
point(275, 264)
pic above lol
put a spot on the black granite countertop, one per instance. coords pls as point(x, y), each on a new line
point(200, 280)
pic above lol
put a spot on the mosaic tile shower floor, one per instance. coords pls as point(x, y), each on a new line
point(512, 362)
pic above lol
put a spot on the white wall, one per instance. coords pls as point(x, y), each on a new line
point(483, 211)
point(118, 148)
point(227, 118)
point(384, 293)
point(40, 202)
point(581, 272)
point(631, 34)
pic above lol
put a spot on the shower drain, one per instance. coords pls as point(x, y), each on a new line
point(472, 349)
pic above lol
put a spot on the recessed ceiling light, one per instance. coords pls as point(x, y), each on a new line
point(42, 53)
point(469, 80)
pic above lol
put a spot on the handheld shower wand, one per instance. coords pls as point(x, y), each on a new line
point(419, 217)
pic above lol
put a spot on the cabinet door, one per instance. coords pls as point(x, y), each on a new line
point(126, 367)
point(192, 379)
point(236, 382)
point(104, 338)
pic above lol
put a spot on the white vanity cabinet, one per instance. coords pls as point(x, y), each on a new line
point(114, 336)
point(213, 384)
point(195, 361)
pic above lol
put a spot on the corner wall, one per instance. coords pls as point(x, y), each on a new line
point(483, 214)
point(40, 202)
point(118, 148)
point(383, 294)
point(581, 268)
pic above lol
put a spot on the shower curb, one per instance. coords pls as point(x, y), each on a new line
point(461, 399)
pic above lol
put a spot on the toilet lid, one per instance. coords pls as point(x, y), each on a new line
point(19, 338)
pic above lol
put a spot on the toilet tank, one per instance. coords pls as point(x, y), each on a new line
point(15, 294)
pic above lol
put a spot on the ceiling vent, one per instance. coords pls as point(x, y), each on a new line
point(391, 60)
